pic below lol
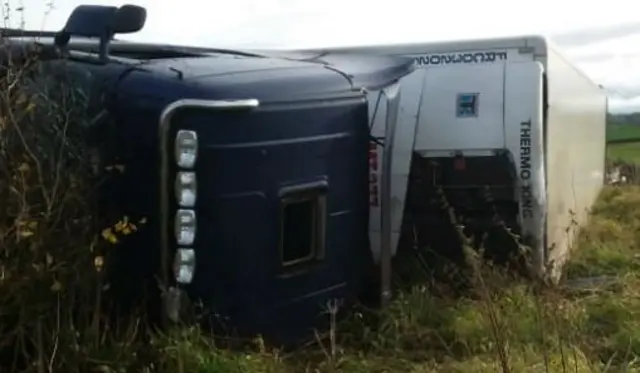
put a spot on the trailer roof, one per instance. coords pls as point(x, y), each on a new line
point(541, 47)
point(539, 42)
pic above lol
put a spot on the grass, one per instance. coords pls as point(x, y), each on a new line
point(589, 323)
point(626, 152)
point(629, 152)
point(623, 131)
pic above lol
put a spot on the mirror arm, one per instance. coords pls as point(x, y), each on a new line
point(103, 52)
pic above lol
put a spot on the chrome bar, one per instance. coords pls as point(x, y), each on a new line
point(165, 121)
point(392, 94)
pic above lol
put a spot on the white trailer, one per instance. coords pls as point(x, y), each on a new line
point(509, 115)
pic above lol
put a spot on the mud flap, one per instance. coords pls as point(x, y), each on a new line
point(524, 130)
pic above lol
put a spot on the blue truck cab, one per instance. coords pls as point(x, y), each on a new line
point(250, 170)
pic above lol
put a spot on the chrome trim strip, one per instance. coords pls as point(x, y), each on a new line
point(392, 94)
point(165, 121)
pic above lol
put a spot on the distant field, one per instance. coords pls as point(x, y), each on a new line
point(629, 152)
point(623, 132)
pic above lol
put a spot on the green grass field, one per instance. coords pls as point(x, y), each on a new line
point(624, 152)
point(629, 152)
point(621, 132)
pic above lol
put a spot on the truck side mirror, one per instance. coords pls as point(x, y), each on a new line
point(129, 19)
point(96, 21)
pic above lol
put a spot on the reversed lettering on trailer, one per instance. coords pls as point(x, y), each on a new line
point(374, 190)
point(460, 58)
point(526, 194)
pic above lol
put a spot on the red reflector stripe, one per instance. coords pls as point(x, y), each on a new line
point(459, 164)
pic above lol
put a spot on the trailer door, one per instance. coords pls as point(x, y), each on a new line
point(524, 119)
point(462, 109)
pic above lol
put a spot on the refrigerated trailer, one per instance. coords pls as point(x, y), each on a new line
point(507, 127)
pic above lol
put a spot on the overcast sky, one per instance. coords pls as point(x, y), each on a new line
point(602, 38)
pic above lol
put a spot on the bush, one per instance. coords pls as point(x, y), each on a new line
point(51, 271)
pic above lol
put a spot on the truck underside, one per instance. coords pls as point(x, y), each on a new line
point(453, 202)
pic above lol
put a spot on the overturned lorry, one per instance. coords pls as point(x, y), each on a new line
point(251, 171)
point(502, 127)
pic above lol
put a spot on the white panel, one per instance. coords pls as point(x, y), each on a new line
point(575, 152)
point(441, 128)
point(524, 126)
point(411, 86)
